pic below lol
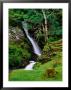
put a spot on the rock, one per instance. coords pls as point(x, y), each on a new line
point(50, 73)
point(50, 50)
point(15, 34)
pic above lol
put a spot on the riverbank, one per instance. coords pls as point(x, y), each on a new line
point(39, 74)
point(49, 71)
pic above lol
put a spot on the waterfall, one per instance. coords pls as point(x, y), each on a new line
point(33, 42)
point(30, 66)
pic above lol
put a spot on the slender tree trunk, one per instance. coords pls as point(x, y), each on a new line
point(43, 28)
point(46, 29)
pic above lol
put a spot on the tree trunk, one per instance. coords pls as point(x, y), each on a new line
point(43, 28)
point(46, 29)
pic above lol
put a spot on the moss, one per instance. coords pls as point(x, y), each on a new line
point(50, 50)
point(50, 73)
point(37, 65)
point(46, 54)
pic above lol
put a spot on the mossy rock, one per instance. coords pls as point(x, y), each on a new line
point(46, 54)
point(50, 50)
point(49, 73)
point(37, 64)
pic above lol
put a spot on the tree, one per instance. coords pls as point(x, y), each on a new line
point(45, 27)
point(42, 23)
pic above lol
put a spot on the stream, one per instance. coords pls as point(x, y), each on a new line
point(30, 66)
point(35, 46)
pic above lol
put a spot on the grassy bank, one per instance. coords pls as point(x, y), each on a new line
point(48, 71)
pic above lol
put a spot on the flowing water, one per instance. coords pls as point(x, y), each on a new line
point(30, 66)
point(36, 48)
point(33, 42)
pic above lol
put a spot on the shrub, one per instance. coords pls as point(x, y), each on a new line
point(17, 55)
point(46, 54)
point(37, 64)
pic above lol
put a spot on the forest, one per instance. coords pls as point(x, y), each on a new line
point(35, 44)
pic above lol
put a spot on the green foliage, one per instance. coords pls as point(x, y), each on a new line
point(37, 64)
point(43, 72)
point(20, 54)
point(35, 16)
point(46, 54)
point(14, 55)
point(50, 50)
point(17, 55)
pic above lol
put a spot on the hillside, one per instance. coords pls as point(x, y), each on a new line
point(35, 35)
point(49, 71)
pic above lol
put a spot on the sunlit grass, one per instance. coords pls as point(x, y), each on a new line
point(40, 73)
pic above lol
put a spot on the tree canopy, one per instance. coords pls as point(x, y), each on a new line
point(36, 20)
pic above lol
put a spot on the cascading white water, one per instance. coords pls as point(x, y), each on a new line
point(34, 44)
point(30, 66)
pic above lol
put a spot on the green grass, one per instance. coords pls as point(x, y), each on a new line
point(25, 75)
point(39, 73)
point(34, 75)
